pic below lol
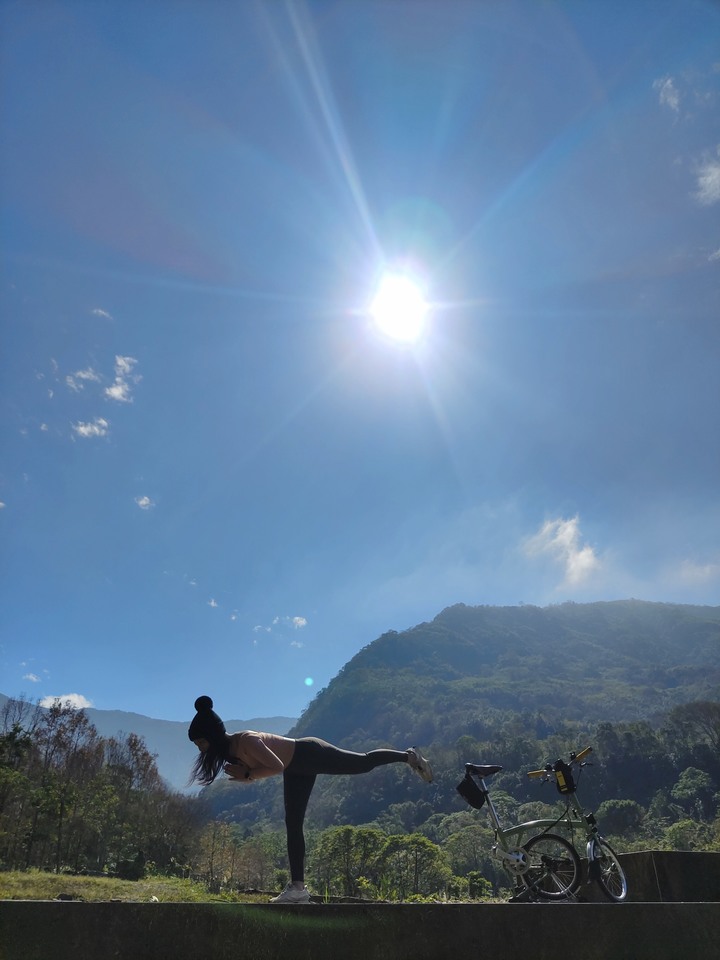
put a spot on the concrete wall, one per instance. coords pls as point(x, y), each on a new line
point(666, 876)
point(52, 930)
point(672, 913)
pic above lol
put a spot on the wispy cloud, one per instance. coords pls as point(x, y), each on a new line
point(708, 179)
point(32, 677)
point(668, 93)
point(98, 312)
point(76, 701)
point(280, 624)
point(560, 539)
point(124, 380)
point(98, 428)
point(76, 381)
point(297, 623)
point(145, 503)
point(699, 574)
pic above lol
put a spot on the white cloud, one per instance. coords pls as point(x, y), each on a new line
point(297, 623)
point(98, 428)
point(76, 381)
point(279, 626)
point(32, 677)
point(97, 312)
point(708, 180)
point(714, 256)
point(124, 380)
point(124, 365)
point(560, 539)
point(120, 391)
point(76, 701)
point(2, 505)
point(145, 503)
point(699, 573)
point(212, 603)
point(668, 93)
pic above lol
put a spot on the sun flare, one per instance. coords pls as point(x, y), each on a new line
point(399, 308)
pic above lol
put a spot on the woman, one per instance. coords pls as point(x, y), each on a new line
point(251, 755)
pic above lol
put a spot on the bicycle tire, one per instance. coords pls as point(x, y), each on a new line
point(554, 869)
point(610, 876)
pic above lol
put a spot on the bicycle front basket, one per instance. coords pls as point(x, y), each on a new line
point(471, 792)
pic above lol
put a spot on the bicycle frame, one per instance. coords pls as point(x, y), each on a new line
point(573, 818)
point(517, 860)
point(547, 863)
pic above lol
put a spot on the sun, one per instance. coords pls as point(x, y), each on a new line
point(399, 308)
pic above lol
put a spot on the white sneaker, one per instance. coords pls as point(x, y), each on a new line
point(293, 894)
point(419, 764)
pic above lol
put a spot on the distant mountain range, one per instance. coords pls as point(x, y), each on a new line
point(168, 739)
point(471, 669)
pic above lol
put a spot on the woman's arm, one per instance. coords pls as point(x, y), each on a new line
point(258, 760)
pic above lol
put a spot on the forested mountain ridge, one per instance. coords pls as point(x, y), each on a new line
point(606, 661)
point(516, 686)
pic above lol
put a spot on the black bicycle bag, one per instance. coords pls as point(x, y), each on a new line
point(471, 792)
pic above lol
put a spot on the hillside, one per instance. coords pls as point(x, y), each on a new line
point(507, 685)
point(612, 661)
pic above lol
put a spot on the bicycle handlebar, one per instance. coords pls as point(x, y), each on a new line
point(574, 758)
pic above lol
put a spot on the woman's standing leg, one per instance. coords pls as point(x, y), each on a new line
point(296, 789)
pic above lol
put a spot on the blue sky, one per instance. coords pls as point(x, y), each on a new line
point(218, 475)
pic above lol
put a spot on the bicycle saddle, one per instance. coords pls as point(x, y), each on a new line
point(482, 769)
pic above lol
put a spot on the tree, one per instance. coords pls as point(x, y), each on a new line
point(694, 792)
point(689, 835)
point(698, 720)
point(413, 865)
point(342, 855)
point(620, 817)
point(69, 799)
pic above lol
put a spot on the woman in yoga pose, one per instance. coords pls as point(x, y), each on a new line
point(252, 755)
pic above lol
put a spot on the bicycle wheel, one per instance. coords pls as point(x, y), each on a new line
point(610, 875)
point(554, 867)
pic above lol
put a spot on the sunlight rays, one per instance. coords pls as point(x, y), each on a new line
point(321, 88)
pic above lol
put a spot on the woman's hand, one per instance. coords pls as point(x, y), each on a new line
point(237, 771)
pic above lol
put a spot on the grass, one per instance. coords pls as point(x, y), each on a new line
point(37, 885)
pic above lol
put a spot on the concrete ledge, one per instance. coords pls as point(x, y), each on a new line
point(667, 876)
point(51, 930)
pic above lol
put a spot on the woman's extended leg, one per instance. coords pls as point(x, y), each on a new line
point(313, 756)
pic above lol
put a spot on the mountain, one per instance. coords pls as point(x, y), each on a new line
point(471, 671)
point(592, 662)
point(168, 738)
point(514, 686)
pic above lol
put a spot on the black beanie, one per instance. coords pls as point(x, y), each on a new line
point(206, 724)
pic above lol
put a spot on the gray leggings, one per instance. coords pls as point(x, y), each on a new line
point(313, 757)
